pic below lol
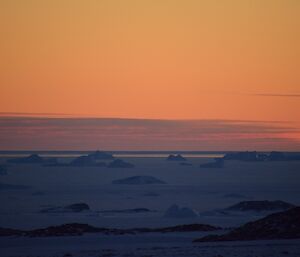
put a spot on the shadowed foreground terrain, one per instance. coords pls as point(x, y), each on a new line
point(282, 225)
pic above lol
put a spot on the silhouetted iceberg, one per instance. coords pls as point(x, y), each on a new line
point(76, 207)
point(175, 157)
point(245, 156)
point(175, 211)
point(32, 159)
point(255, 156)
point(138, 180)
point(99, 155)
point(282, 225)
point(277, 156)
point(280, 156)
point(218, 163)
point(293, 157)
point(261, 206)
point(118, 163)
point(86, 160)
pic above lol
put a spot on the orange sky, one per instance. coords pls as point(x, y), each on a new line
point(166, 59)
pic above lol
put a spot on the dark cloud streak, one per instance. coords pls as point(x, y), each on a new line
point(32, 133)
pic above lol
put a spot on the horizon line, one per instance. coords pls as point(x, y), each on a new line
point(82, 116)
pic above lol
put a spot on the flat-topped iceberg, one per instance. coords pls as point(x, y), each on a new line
point(175, 211)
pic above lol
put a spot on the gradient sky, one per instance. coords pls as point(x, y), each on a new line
point(153, 59)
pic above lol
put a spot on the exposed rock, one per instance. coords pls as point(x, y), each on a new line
point(138, 180)
point(76, 207)
point(219, 163)
point(118, 163)
point(77, 229)
point(10, 232)
point(282, 225)
point(99, 155)
point(175, 211)
point(261, 206)
point(175, 157)
point(73, 229)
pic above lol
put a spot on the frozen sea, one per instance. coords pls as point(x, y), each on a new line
point(204, 190)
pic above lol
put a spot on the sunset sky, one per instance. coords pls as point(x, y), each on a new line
point(206, 63)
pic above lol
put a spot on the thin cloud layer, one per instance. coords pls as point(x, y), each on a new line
point(35, 133)
point(278, 95)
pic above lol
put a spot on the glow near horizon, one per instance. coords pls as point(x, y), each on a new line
point(152, 59)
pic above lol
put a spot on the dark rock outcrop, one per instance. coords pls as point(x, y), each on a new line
point(176, 157)
point(77, 229)
point(10, 232)
point(73, 229)
point(118, 163)
point(261, 206)
point(138, 180)
point(282, 225)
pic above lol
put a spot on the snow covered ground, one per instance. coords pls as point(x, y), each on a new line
point(163, 245)
point(201, 189)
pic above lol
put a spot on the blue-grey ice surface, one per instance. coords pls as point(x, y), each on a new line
point(202, 190)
